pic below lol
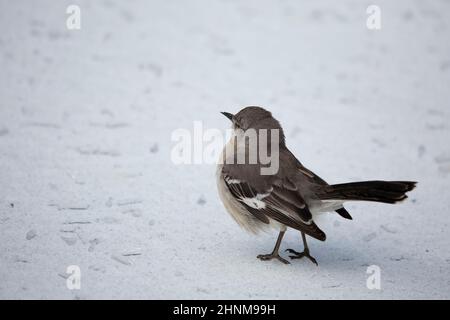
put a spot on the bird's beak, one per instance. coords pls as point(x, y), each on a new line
point(228, 115)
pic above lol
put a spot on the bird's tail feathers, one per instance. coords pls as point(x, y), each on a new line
point(378, 191)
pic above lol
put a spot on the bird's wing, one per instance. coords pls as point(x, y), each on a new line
point(305, 172)
point(280, 201)
point(311, 175)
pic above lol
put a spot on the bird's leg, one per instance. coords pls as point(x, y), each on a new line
point(305, 253)
point(274, 253)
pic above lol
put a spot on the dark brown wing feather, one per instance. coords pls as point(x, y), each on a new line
point(281, 204)
point(243, 190)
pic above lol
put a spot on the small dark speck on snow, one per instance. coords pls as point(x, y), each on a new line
point(201, 201)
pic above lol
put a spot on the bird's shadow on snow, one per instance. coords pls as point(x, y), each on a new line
point(335, 255)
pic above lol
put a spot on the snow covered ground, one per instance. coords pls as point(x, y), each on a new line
point(86, 118)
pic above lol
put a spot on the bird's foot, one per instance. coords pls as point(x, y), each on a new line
point(299, 255)
point(266, 257)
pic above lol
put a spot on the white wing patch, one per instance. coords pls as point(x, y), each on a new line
point(255, 202)
point(231, 181)
point(245, 194)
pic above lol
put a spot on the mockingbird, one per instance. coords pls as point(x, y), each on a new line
point(290, 196)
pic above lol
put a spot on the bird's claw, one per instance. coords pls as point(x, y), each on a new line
point(299, 255)
point(266, 257)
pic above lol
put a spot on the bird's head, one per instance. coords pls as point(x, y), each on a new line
point(254, 118)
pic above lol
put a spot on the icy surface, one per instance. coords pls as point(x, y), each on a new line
point(86, 118)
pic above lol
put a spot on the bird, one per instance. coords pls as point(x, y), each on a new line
point(290, 197)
